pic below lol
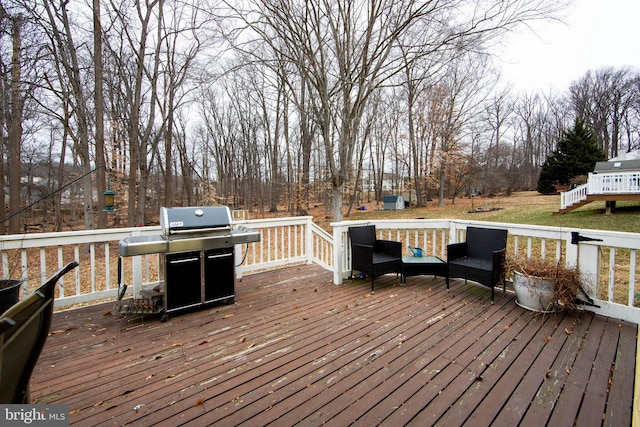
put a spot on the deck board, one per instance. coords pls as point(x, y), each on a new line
point(294, 348)
point(623, 376)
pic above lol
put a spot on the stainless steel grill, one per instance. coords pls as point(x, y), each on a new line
point(189, 229)
point(197, 262)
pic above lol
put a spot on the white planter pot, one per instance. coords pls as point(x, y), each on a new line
point(534, 293)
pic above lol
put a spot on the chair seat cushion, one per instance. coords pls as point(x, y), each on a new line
point(475, 263)
point(379, 258)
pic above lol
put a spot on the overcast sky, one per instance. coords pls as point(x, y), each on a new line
point(596, 34)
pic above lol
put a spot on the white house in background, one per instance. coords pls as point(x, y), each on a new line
point(610, 181)
point(388, 183)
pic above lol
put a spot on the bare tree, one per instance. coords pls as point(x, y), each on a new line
point(348, 50)
point(604, 99)
point(13, 114)
point(98, 99)
point(527, 110)
point(73, 88)
point(137, 62)
point(181, 44)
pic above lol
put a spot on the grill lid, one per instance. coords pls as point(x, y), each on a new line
point(194, 219)
point(188, 229)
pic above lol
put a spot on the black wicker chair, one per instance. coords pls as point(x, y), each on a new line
point(25, 327)
point(372, 256)
point(480, 258)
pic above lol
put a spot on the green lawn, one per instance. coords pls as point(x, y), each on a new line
point(523, 208)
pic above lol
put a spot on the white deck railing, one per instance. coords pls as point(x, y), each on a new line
point(609, 264)
point(602, 183)
point(614, 183)
point(573, 196)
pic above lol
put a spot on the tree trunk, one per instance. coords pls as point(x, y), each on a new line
point(336, 201)
point(15, 127)
point(99, 105)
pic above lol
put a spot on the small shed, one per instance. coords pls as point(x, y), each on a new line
point(393, 202)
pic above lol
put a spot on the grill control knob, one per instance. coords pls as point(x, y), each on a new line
point(199, 212)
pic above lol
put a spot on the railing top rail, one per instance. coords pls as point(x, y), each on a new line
point(608, 174)
point(270, 222)
point(610, 238)
point(23, 241)
point(34, 240)
point(397, 223)
point(319, 230)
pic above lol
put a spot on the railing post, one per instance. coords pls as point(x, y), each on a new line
point(453, 232)
point(571, 251)
point(136, 270)
point(587, 257)
point(309, 240)
point(338, 255)
point(237, 261)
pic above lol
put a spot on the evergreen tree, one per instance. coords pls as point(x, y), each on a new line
point(577, 154)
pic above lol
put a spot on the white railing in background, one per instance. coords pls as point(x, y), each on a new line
point(609, 263)
point(614, 183)
point(573, 196)
point(602, 183)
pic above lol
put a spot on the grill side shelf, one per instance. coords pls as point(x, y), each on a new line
point(143, 245)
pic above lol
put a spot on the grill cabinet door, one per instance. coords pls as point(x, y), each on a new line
point(183, 281)
point(219, 274)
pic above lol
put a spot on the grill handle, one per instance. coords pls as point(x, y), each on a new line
point(219, 256)
point(198, 230)
point(180, 261)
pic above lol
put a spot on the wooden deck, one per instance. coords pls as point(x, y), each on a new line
point(295, 348)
